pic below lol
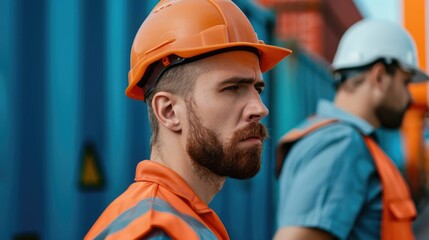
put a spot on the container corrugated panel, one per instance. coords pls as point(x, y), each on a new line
point(299, 82)
point(8, 139)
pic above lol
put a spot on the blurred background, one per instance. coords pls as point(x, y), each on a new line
point(70, 139)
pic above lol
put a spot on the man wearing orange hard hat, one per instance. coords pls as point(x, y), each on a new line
point(198, 65)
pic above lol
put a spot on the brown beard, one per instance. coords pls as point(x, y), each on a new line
point(390, 118)
point(228, 160)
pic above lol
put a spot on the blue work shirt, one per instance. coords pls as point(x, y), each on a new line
point(329, 180)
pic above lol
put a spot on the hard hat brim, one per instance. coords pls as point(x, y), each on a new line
point(269, 56)
point(420, 76)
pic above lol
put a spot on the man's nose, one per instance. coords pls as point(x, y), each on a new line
point(255, 109)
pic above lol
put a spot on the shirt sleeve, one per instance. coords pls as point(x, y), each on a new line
point(324, 181)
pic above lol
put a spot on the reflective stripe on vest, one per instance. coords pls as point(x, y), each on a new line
point(159, 205)
point(398, 207)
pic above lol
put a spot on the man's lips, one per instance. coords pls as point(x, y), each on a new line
point(252, 138)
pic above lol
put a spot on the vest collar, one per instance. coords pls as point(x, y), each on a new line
point(150, 171)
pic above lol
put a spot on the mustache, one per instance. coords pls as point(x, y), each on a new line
point(253, 130)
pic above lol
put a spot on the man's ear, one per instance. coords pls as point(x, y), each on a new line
point(163, 107)
point(377, 76)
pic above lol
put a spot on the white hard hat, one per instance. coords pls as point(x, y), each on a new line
point(369, 40)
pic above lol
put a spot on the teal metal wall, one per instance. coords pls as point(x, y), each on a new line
point(63, 71)
point(299, 83)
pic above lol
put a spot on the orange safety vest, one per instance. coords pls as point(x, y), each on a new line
point(398, 207)
point(159, 202)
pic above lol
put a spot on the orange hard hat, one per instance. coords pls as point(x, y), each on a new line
point(187, 29)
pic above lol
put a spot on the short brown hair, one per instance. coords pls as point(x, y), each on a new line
point(179, 80)
point(350, 79)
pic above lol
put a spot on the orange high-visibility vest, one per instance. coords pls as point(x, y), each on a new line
point(398, 207)
point(159, 202)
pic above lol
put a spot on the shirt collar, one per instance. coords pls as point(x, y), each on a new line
point(150, 171)
point(327, 109)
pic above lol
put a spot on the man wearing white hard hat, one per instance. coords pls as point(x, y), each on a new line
point(335, 181)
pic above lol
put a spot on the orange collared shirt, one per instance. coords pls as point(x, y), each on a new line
point(158, 203)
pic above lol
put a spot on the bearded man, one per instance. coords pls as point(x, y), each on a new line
point(335, 181)
point(198, 65)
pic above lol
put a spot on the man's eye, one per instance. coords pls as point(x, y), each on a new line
point(232, 88)
point(259, 90)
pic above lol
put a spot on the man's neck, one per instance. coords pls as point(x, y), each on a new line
point(359, 106)
point(203, 182)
